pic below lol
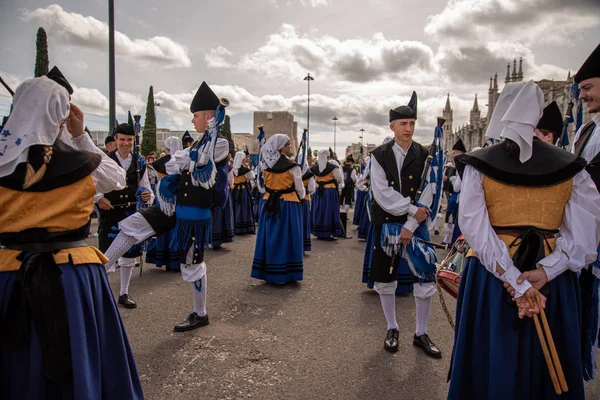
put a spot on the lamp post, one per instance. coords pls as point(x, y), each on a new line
point(334, 133)
point(308, 78)
point(362, 140)
point(111, 67)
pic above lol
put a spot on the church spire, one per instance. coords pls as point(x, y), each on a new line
point(520, 75)
point(507, 79)
point(514, 73)
point(475, 104)
point(496, 81)
point(491, 83)
point(447, 108)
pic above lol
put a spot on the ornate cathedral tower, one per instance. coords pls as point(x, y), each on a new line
point(447, 114)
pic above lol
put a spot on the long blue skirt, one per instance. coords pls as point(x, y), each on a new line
point(242, 211)
point(103, 364)
point(306, 225)
point(159, 252)
point(222, 227)
point(326, 214)
point(278, 255)
point(358, 206)
point(498, 356)
point(364, 222)
point(404, 275)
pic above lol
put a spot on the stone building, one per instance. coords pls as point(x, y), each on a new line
point(354, 149)
point(243, 141)
point(277, 122)
point(473, 133)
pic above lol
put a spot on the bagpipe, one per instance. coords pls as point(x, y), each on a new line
point(563, 140)
point(420, 252)
point(202, 167)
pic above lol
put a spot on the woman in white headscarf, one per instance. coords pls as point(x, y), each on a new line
point(326, 223)
point(362, 201)
point(241, 195)
point(58, 316)
point(309, 182)
point(278, 255)
point(159, 251)
point(530, 214)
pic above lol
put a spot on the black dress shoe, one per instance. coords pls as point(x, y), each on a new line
point(127, 301)
point(427, 345)
point(193, 321)
point(391, 341)
point(436, 232)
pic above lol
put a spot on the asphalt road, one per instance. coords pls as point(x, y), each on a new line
point(321, 338)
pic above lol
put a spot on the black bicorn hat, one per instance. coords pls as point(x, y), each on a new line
point(460, 146)
point(552, 119)
point(404, 112)
point(59, 78)
point(590, 67)
point(204, 99)
point(109, 138)
point(186, 138)
point(125, 129)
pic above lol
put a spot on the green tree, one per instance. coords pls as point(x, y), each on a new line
point(316, 153)
point(41, 56)
point(149, 136)
point(226, 133)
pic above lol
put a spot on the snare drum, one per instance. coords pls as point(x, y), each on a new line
point(450, 269)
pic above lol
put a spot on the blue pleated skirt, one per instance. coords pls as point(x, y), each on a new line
point(404, 275)
point(222, 227)
point(242, 211)
point(278, 255)
point(306, 225)
point(325, 220)
point(103, 364)
point(358, 206)
point(159, 252)
point(496, 356)
point(364, 221)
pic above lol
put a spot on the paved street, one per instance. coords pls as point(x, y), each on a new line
point(319, 339)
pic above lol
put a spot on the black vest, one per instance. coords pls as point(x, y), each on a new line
point(410, 177)
point(190, 195)
point(125, 198)
point(347, 176)
point(593, 167)
point(447, 186)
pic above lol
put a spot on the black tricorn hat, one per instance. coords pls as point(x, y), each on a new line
point(125, 129)
point(404, 112)
point(590, 67)
point(187, 137)
point(59, 78)
point(204, 99)
point(350, 158)
point(460, 146)
point(552, 119)
point(109, 138)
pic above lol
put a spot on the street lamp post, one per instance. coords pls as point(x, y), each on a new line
point(362, 139)
point(308, 78)
point(334, 133)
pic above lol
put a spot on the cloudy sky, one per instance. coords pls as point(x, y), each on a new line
point(366, 55)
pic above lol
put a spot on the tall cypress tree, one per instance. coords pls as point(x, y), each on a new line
point(149, 137)
point(41, 56)
point(226, 133)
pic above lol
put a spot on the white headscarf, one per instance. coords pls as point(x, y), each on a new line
point(270, 150)
point(522, 117)
point(367, 169)
point(510, 91)
point(322, 159)
point(237, 161)
point(173, 143)
point(40, 105)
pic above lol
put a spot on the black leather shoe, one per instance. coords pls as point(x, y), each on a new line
point(127, 301)
point(193, 321)
point(427, 345)
point(391, 341)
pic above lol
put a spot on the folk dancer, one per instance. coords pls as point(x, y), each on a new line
point(61, 335)
point(241, 195)
point(347, 196)
point(395, 171)
point(117, 205)
point(278, 255)
point(362, 201)
point(223, 226)
point(325, 223)
point(587, 145)
point(450, 178)
point(530, 214)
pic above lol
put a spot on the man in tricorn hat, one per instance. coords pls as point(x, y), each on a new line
point(119, 204)
point(110, 144)
point(187, 140)
point(550, 126)
point(587, 145)
point(396, 167)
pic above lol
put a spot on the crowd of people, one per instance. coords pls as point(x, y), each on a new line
point(529, 210)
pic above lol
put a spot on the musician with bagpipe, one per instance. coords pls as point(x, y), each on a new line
point(197, 181)
point(587, 145)
point(398, 222)
point(530, 214)
point(117, 205)
point(451, 187)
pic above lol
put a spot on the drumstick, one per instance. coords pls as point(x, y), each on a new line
point(553, 352)
point(538, 328)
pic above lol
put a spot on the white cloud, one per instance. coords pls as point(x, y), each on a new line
point(217, 58)
point(81, 64)
point(89, 32)
point(305, 3)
